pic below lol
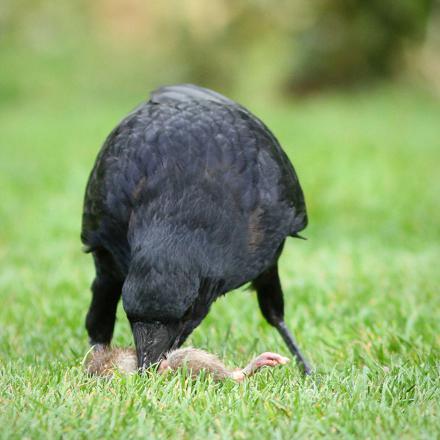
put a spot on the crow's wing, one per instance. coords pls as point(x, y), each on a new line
point(182, 93)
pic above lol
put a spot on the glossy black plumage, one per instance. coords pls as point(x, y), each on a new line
point(191, 196)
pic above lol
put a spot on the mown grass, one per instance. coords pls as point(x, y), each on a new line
point(362, 294)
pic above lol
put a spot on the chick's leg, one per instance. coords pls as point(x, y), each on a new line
point(263, 360)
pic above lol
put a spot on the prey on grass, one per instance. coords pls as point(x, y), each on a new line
point(106, 361)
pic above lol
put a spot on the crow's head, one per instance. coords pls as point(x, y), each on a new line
point(156, 296)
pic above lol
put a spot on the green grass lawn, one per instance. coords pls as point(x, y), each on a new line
point(362, 294)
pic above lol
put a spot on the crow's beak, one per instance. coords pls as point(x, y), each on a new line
point(152, 340)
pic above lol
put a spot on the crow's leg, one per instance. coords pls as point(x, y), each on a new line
point(270, 299)
point(106, 292)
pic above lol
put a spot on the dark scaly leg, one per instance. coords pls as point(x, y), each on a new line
point(106, 292)
point(270, 299)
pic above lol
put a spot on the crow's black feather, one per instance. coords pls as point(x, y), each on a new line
point(191, 196)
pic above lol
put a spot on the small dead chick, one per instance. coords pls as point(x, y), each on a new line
point(196, 360)
point(105, 362)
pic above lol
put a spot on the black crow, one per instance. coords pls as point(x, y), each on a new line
point(191, 196)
